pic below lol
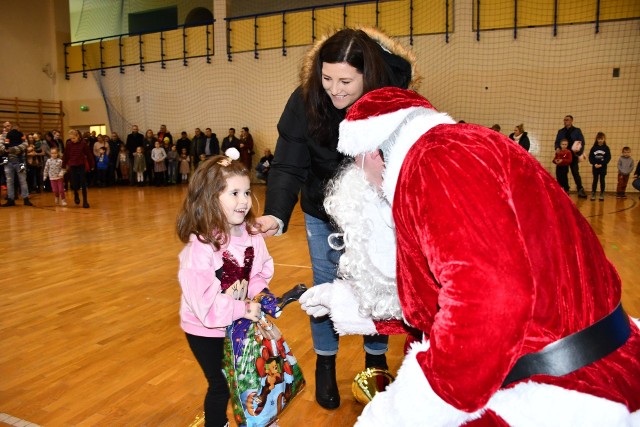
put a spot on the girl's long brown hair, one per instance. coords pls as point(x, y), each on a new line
point(201, 213)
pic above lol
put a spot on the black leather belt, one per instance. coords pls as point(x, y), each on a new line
point(575, 351)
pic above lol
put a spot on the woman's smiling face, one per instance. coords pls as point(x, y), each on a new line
point(343, 83)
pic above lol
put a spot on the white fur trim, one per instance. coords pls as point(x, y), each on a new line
point(407, 136)
point(542, 405)
point(344, 312)
point(364, 136)
point(410, 400)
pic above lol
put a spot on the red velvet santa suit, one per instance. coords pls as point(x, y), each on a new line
point(494, 262)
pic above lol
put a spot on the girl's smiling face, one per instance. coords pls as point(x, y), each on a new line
point(235, 200)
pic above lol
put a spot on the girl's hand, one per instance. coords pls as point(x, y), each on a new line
point(252, 311)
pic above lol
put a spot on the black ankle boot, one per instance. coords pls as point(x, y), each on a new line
point(327, 394)
point(375, 361)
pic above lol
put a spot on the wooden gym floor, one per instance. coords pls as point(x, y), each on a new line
point(89, 332)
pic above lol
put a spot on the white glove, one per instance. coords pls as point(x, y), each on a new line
point(338, 300)
point(315, 301)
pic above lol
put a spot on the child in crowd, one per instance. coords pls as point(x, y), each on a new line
point(53, 170)
point(599, 157)
point(158, 155)
point(185, 166)
point(34, 168)
point(102, 166)
point(172, 163)
point(124, 164)
point(202, 159)
point(625, 167)
point(222, 267)
point(139, 166)
point(563, 160)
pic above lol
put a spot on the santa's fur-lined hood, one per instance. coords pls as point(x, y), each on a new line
point(379, 37)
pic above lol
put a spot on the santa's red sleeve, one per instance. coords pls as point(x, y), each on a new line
point(463, 272)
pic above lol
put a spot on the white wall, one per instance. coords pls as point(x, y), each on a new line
point(28, 45)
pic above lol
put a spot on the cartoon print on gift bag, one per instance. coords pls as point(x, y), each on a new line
point(261, 370)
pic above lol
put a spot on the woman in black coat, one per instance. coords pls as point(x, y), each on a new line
point(520, 136)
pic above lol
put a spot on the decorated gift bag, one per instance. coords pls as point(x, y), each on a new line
point(262, 373)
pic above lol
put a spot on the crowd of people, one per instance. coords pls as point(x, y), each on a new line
point(570, 146)
point(570, 151)
point(149, 159)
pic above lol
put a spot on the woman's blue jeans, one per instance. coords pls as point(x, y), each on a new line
point(324, 264)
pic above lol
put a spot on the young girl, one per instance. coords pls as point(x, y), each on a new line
point(139, 166)
point(159, 168)
point(185, 166)
point(124, 164)
point(599, 157)
point(222, 267)
point(53, 170)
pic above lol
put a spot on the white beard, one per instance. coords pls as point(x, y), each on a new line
point(369, 259)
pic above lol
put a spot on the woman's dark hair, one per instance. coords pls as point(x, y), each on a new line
point(360, 51)
point(201, 212)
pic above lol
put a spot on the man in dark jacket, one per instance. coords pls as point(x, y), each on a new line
point(14, 147)
point(134, 140)
point(197, 145)
point(573, 135)
point(230, 140)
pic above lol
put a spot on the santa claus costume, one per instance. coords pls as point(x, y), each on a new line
point(518, 305)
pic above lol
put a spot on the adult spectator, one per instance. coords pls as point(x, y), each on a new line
point(101, 143)
point(149, 144)
point(337, 71)
point(576, 145)
point(45, 149)
point(14, 148)
point(91, 138)
point(57, 138)
point(114, 174)
point(520, 136)
point(209, 146)
point(197, 146)
point(164, 133)
point(246, 147)
point(231, 140)
point(183, 142)
point(263, 166)
point(134, 140)
point(77, 159)
point(3, 134)
point(59, 142)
